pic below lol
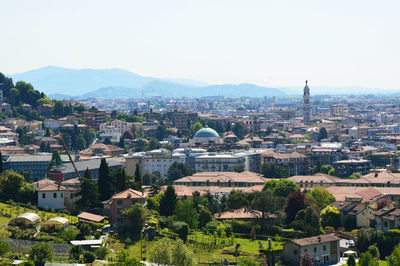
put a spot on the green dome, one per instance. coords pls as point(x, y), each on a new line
point(206, 132)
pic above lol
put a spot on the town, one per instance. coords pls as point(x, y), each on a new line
point(214, 180)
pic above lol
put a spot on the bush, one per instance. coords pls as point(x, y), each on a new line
point(241, 227)
point(165, 222)
point(212, 226)
point(182, 229)
point(271, 229)
point(101, 253)
point(88, 257)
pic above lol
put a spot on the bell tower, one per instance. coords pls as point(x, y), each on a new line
point(306, 104)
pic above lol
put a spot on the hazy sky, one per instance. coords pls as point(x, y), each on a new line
point(275, 43)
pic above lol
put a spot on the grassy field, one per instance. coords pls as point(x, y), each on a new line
point(7, 212)
point(201, 252)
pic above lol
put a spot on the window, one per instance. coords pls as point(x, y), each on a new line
point(324, 248)
point(61, 195)
point(305, 250)
point(55, 195)
point(315, 250)
point(295, 251)
point(43, 195)
point(119, 202)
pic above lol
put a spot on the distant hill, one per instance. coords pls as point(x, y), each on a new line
point(62, 83)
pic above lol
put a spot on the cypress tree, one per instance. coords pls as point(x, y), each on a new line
point(168, 201)
point(138, 177)
point(104, 181)
point(1, 162)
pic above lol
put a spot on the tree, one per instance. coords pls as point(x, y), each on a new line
point(326, 168)
point(88, 257)
point(321, 197)
point(88, 195)
point(236, 200)
point(40, 253)
point(185, 211)
point(4, 248)
point(197, 126)
point(55, 160)
point(351, 261)
point(330, 216)
point(204, 216)
point(281, 188)
point(308, 221)
point(104, 181)
point(265, 202)
point(123, 259)
point(366, 259)
point(128, 135)
point(58, 108)
point(75, 252)
point(240, 130)
point(168, 201)
point(120, 179)
point(1, 162)
point(101, 253)
point(138, 176)
point(179, 170)
point(323, 134)
point(306, 260)
point(274, 171)
point(169, 252)
point(10, 184)
point(355, 176)
point(374, 251)
point(295, 202)
point(394, 258)
point(350, 222)
point(136, 216)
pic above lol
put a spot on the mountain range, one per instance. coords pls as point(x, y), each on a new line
point(116, 83)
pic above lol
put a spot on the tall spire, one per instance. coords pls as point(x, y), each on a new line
point(306, 103)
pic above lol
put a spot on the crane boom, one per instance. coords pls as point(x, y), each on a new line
point(60, 138)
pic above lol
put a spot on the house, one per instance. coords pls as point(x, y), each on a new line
point(55, 197)
point(102, 149)
point(324, 249)
point(387, 218)
point(122, 201)
point(27, 219)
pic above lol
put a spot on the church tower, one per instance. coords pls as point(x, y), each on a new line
point(306, 104)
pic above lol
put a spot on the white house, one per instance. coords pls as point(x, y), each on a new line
point(114, 129)
point(55, 197)
point(51, 124)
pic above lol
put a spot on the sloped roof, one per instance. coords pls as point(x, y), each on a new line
point(315, 240)
point(214, 177)
point(91, 217)
point(129, 193)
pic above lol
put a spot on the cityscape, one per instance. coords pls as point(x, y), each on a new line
point(239, 162)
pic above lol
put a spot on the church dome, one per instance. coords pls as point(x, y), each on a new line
point(206, 132)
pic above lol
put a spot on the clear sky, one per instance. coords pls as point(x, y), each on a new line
point(273, 43)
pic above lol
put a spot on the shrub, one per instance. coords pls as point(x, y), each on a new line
point(241, 227)
point(165, 222)
point(88, 257)
point(182, 229)
point(211, 226)
point(101, 253)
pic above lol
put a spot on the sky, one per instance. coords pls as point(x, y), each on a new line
point(269, 43)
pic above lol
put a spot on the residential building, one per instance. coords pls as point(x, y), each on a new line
point(122, 201)
point(94, 118)
point(296, 163)
point(345, 168)
point(324, 249)
point(55, 197)
point(114, 129)
point(153, 161)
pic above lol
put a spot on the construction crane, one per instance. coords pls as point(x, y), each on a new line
point(60, 138)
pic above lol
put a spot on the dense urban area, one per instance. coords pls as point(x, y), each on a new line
point(290, 180)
